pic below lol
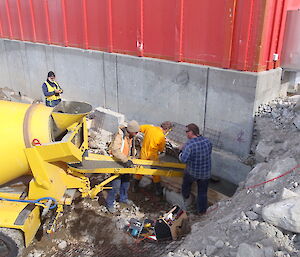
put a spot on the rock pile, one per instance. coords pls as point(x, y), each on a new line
point(282, 111)
point(8, 94)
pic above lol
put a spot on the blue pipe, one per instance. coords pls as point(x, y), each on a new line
point(32, 201)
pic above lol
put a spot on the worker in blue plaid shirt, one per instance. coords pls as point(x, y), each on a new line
point(196, 153)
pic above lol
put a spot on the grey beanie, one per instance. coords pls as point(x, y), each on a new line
point(133, 126)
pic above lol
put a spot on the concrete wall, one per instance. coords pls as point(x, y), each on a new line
point(145, 89)
point(230, 99)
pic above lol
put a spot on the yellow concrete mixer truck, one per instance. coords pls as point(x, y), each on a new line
point(44, 162)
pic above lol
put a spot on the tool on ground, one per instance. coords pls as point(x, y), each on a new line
point(141, 229)
point(172, 224)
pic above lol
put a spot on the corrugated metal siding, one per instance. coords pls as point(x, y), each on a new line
point(235, 34)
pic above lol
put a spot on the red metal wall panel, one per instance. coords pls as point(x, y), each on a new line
point(292, 4)
point(255, 34)
point(256, 38)
point(207, 31)
point(242, 30)
point(237, 34)
point(272, 37)
point(56, 22)
point(27, 21)
point(4, 20)
point(288, 5)
point(159, 28)
point(13, 16)
point(40, 21)
point(74, 23)
point(97, 24)
point(125, 24)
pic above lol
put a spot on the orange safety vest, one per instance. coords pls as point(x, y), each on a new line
point(126, 144)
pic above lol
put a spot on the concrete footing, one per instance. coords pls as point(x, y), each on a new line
point(228, 166)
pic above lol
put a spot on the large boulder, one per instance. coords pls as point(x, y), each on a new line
point(263, 151)
point(249, 251)
point(297, 104)
point(286, 193)
point(257, 174)
point(284, 214)
point(297, 121)
point(278, 168)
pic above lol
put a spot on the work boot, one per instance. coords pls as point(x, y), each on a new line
point(127, 202)
point(187, 202)
point(158, 189)
point(111, 209)
point(135, 187)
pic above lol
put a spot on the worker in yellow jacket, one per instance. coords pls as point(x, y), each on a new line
point(154, 143)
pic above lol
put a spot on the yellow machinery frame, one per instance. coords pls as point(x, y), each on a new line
point(53, 177)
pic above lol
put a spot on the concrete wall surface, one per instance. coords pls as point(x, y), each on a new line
point(145, 89)
point(230, 99)
point(229, 167)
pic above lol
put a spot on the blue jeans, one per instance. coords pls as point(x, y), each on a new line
point(202, 185)
point(118, 187)
point(53, 103)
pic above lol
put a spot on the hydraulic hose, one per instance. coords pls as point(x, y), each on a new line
point(37, 202)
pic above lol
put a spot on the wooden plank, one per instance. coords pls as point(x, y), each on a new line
point(174, 184)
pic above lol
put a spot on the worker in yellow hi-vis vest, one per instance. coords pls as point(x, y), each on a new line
point(154, 142)
point(52, 90)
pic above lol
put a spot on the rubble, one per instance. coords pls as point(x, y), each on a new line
point(262, 218)
point(62, 245)
point(284, 214)
point(36, 253)
point(262, 151)
point(277, 169)
point(8, 94)
point(286, 193)
point(252, 251)
point(296, 121)
point(280, 110)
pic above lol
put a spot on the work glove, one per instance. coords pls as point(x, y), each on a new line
point(128, 164)
point(162, 155)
